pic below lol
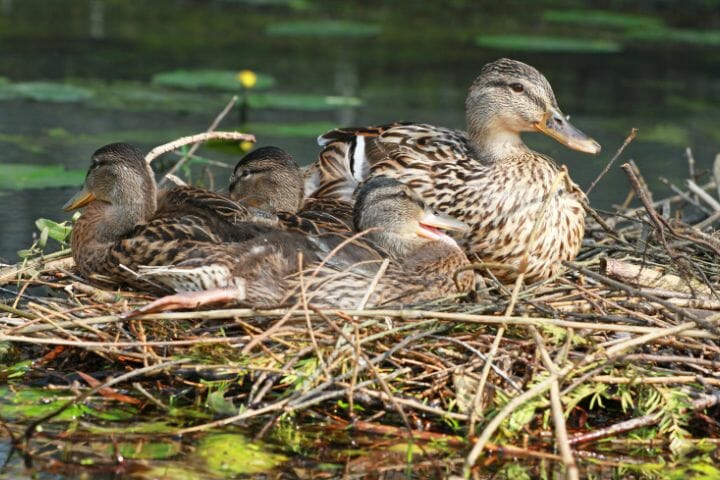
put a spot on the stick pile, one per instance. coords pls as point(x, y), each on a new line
point(624, 340)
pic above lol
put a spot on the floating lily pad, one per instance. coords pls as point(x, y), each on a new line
point(45, 92)
point(324, 28)
point(601, 18)
point(28, 404)
point(214, 79)
point(294, 4)
point(301, 101)
point(230, 454)
point(144, 450)
point(15, 176)
point(697, 37)
point(547, 44)
point(667, 134)
point(305, 129)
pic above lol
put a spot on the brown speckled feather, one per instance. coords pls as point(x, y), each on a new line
point(500, 200)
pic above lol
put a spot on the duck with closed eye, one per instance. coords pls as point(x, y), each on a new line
point(121, 238)
point(486, 177)
point(422, 267)
point(269, 179)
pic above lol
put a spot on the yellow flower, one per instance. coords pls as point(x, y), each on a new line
point(246, 146)
point(247, 78)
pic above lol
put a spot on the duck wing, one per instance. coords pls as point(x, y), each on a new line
point(412, 152)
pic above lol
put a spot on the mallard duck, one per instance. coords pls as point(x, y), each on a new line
point(270, 179)
point(486, 177)
point(123, 237)
point(126, 219)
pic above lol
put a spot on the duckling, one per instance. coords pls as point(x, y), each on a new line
point(126, 223)
point(423, 266)
point(118, 238)
point(486, 177)
point(270, 179)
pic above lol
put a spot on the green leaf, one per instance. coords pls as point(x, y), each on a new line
point(15, 176)
point(522, 416)
point(324, 28)
point(57, 231)
point(225, 80)
point(217, 402)
point(547, 44)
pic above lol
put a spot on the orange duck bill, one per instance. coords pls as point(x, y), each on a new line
point(430, 225)
point(554, 124)
point(79, 200)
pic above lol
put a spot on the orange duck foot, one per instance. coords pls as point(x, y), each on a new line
point(188, 301)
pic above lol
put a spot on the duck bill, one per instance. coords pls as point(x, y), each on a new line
point(431, 224)
point(79, 200)
point(555, 125)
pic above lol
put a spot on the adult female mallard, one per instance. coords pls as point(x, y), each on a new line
point(486, 177)
point(123, 237)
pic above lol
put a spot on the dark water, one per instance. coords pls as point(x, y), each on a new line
point(416, 65)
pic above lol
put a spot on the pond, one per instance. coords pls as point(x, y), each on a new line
point(650, 71)
point(77, 74)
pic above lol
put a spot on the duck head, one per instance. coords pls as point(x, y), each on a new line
point(398, 219)
point(119, 182)
point(269, 179)
point(510, 97)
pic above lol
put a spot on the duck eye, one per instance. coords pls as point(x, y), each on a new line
point(402, 194)
point(517, 87)
point(245, 174)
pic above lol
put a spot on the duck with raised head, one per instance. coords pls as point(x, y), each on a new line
point(486, 177)
point(122, 237)
point(270, 179)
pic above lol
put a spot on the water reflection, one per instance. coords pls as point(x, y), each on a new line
point(415, 64)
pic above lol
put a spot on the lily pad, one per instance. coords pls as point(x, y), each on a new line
point(305, 129)
point(294, 4)
point(601, 18)
point(667, 134)
point(145, 450)
point(696, 37)
point(28, 404)
point(226, 80)
point(301, 101)
point(547, 44)
point(45, 92)
point(231, 454)
point(324, 28)
point(14, 176)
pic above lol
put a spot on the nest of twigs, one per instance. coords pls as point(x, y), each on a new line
point(624, 340)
